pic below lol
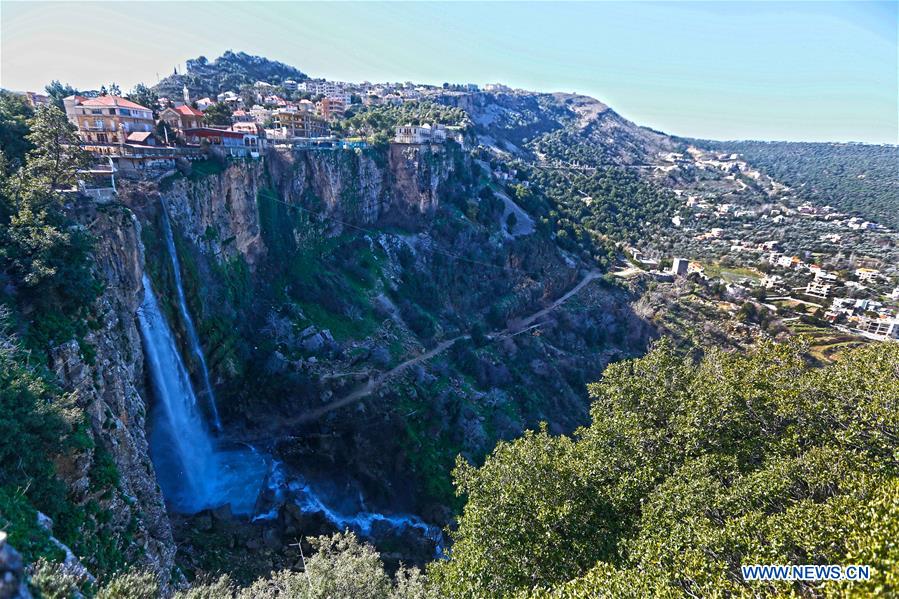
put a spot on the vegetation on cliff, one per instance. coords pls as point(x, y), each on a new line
point(688, 471)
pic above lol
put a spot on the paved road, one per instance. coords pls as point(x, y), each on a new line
point(374, 382)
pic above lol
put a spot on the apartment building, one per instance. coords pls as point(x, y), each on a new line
point(299, 123)
point(107, 119)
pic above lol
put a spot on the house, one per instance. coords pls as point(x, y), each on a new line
point(868, 275)
point(141, 138)
point(204, 103)
point(816, 288)
point(253, 133)
point(414, 134)
point(881, 328)
point(220, 137)
point(260, 114)
point(35, 99)
point(332, 107)
point(289, 84)
point(107, 119)
point(242, 116)
point(182, 117)
point(299, 123)
point(679, 267)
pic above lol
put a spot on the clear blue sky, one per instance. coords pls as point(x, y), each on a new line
point(815, 71)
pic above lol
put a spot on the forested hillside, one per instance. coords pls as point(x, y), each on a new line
point(856, 178)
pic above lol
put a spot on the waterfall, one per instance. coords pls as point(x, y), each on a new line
point(194, 470)
point(192, 337)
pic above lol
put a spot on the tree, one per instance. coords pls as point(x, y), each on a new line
point(688, 471)
point(14, 114)
point(217, 114)
point(143, 95)
point(57, 91)
point(56, 154)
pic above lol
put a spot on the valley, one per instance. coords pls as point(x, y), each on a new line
point(455, 339)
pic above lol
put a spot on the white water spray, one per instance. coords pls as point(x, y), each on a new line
point(192, 337)
point(194, 471)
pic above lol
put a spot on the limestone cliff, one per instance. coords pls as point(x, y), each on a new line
point(107, 384)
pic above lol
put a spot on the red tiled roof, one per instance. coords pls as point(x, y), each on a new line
point(186, 110)
point(116, 101)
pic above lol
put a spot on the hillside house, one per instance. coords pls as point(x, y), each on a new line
point(420, 134)
point(182, 117)
point(299, 123)
point(107, 119)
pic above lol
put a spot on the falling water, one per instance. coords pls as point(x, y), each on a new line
point(192, 337)
point(194, 470)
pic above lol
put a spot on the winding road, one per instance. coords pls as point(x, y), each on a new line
point(374, 382)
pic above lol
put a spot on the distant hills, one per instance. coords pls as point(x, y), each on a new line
point(851, 177)
point(228, 72)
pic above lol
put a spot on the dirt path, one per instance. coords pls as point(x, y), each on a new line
point(373, 383)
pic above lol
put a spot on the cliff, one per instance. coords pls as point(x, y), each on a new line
point(108, 384)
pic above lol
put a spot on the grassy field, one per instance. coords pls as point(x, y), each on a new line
point(731, 274)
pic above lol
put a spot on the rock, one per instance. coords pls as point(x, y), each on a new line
point(326, 334)
point(12, 572)
point(203, 521)
point(313, 343)
point(271, 538)
point(223, 513)
point(381, 356)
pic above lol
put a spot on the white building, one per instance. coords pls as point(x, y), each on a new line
point(817, 289)
point(415, 134)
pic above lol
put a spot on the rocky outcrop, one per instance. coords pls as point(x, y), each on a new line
point(12, 572)
point(106, 382)
point(218, 212)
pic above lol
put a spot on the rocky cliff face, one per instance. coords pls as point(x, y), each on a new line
point(107, 384)
point(360, 186)
point(218, 213)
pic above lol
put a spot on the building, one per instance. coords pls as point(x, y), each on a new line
point(299, 123)
point(35, 99)
point(107, 119)
point(818, 289)
point(332, 108)
point(214, 137)
point(204, 103)
point(867, 275)
point(289, 84)
point(182, 117)
point(680, 267)
point(423, 134)
point(260, 114)
point(879, 328)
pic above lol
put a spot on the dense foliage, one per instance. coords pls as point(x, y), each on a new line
point(229, 71)
point(856, 178)
point(44, 269)
point(688, 471)
point(380, 121)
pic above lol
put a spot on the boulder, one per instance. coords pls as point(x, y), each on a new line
point(12, 572)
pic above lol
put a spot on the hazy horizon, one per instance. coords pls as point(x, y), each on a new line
point(813, 72)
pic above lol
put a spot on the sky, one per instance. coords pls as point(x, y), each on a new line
point(801, 71)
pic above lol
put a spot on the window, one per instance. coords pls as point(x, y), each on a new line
point(124, 112)
point(98, 123)
point(96, 111)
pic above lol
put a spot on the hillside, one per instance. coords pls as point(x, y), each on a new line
point(230, 71)
point(856, 178)
point(231, 362)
